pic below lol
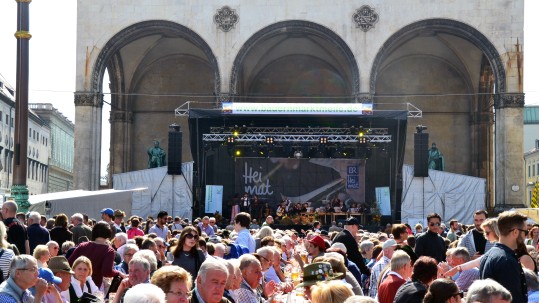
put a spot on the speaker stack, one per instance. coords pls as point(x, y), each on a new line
point(421, 155)
point(174, 150)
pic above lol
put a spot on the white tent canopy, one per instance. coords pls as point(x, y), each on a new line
point(450, 195)
point(171, 193)
point(81, 201)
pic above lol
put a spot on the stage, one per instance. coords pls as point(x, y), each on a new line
point(296, 166)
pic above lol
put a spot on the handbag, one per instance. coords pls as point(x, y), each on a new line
point(89, 298)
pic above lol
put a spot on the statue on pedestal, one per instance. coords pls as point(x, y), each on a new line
point(156, 155)
point(436, 158)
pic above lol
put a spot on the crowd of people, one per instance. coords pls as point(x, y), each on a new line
point(174, 260)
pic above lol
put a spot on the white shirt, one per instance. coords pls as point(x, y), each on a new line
point(76, 286)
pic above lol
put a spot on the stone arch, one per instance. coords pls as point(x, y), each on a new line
point(141, 29)
point(448, 26)
point(296, 27)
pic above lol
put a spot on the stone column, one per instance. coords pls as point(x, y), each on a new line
point(509, 150)
point(88, 112)
point(120, 159)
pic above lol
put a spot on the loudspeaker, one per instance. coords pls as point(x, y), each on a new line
point(421, 155)
point(174, 153)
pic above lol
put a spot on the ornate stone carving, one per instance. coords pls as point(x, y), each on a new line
point(226, 18)
point(511, 100)
point(121, 116)
point(88, 99)
point(365, 17)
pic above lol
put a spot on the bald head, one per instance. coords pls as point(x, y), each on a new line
point(9, 209)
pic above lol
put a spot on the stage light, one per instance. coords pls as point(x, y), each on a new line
point(323, 140)
point(230, 140)
point(362, 140)
point(238, 153)
point(298, 154)
point(361, 132)
point(235, 131)
point(269, 140)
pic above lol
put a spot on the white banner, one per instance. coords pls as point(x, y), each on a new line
point(214, 199)
point(383, 199)
point(246, 108)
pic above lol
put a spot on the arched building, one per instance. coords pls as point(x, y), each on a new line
point(459, 61)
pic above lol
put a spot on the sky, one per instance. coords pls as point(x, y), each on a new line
point(53, 25)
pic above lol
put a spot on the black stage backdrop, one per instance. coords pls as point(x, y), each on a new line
point(301, 180)
point(293, 177)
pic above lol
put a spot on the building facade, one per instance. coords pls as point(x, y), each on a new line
point(459, 62)
point(62, 147)
point(38, 145)
point(531, 170)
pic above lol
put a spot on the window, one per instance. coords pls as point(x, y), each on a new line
point(533, 174)
point(1, 116)
point(7, 119)
point(30, 132)
point(529, 171)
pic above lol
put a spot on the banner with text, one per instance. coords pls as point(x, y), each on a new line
point(214, 199)
point(301, 180)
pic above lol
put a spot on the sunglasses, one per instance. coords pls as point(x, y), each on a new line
point(525, 231)
point(191, 236)
point(434, 224)
point(460, 293)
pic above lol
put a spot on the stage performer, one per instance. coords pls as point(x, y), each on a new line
point(235, 207)
point(281, 210)
point(256, 208)
point(245, 203)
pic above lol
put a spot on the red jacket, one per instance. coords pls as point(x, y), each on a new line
point(388, 288)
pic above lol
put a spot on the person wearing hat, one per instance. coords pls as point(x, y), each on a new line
point(387, 249)
point(317, 272)
point(316, 247)
point(107, 214)
point(348, 237)
point(61, 269)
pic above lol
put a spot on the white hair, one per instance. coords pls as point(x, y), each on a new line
point(211, 264)
point(122, 237)
point(485, 290)
point(148, 255)
point(145, 293)
point(78, 216)
point(360, 299)
point(34, 216)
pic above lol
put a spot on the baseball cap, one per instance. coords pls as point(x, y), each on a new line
point(318, 241)
point(389, 243)
point(353, 221)
point(108, 211)
point(47, 275)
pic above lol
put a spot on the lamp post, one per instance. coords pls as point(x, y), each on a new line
point(19, 189)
